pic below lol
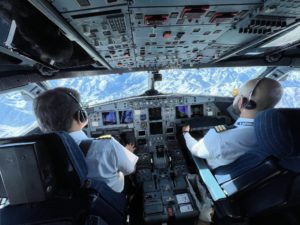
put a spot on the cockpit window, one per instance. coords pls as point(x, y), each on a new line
point(207, 81)
point(16, 115)
point(210, 81)
point(291, 91)
point(96, 89)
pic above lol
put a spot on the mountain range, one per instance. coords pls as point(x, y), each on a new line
point(17, 116)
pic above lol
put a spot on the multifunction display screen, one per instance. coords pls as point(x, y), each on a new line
point(126, 116)
point(109, 118)
point(182, 111)
point(155, 114)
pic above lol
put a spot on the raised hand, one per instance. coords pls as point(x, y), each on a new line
point(130, 147)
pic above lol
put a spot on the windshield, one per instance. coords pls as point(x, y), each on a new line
point(210, 81)
point(291, 90)
point(16, 115)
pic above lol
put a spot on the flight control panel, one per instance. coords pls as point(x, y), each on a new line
point(153, 124)
point(149, 117)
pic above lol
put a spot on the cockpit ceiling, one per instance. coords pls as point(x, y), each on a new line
point(120, 35)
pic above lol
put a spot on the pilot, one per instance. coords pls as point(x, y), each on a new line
point(59, 109)
point(223, 145)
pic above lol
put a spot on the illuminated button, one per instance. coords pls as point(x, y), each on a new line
point(170, 212)
point(167, 34)
point(86, 30)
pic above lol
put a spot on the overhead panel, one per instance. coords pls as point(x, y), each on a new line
point(183, 35)
point(271, 17)
point(175, 3)
point(173, 34)
point(108, 30)
point(64, 6)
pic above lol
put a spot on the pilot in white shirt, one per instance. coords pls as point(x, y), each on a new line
point(222, 147)
point(59, 109)
point(107, 160)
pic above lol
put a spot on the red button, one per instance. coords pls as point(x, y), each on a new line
point(170, 212)
point(167, 34)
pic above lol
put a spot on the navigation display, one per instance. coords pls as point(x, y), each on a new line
point(182, 111)
point(109, 118)
point(156, 128)
point(196, 110)
point(155, 114)
point(126, 116)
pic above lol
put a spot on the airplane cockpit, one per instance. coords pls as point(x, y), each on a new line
point(154, 124)
point(138, 66)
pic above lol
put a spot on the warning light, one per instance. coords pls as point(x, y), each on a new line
point(155, 19)
point(194, 12)
point(167, 34)
point(223, 17)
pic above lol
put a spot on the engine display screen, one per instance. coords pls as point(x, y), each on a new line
point(126, 116)
point(155, 113)
point(109, 118)
point(156, 128)
point(182, 111)
point(196, 110)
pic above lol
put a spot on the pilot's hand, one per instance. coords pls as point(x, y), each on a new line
point(186, 129)
point(130, 147)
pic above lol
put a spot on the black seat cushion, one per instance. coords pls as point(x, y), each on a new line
point(278, 132)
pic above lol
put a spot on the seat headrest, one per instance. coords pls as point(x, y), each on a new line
point(277, 132)
point(38, 167)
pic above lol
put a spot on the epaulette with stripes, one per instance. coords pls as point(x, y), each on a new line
point(106, 136)
point(222, 128)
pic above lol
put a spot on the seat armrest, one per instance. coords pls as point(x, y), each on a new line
point(209, 180)
point(255, 176)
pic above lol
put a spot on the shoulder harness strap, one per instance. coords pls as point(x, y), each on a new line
point(85, 146)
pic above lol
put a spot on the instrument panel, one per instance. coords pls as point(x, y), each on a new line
point(154, 123)
point(152, 119)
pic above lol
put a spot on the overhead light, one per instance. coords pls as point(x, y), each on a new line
point(288, 38)
point(253, 53)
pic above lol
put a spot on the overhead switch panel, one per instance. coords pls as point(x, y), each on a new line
point(155, 19)
point(194, 12)
point(223, 17)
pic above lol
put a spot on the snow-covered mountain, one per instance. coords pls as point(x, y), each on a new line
point(16, 114)
point(213, 81)
point(291, 94)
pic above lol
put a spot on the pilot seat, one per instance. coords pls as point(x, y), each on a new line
point(262, 186)
point(43, 181)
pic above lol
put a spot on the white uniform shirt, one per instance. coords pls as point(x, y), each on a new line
point(225, 147)
point(107, 160)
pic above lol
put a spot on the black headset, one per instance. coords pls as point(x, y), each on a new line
point(83, 116)
point(248, 103)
